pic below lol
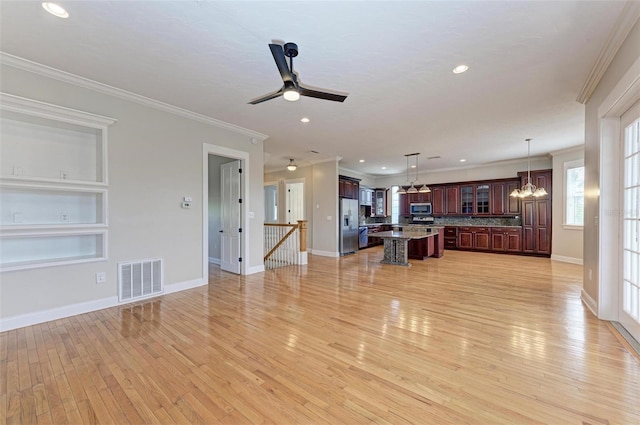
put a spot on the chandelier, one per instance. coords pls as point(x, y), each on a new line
point(413, 189)
point(529, 189)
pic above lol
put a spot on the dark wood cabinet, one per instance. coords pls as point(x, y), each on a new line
point(498, 198)
point(452, 200)
point(348, 187)
point(513, 203)
point(437, 200)
point(474, 238)
point(536, 215)
point(451, 237)
point(506, 239)
point(466, 199)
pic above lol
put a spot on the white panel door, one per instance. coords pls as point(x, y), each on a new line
point(629, 307)
point(230, 217)
point(295, 202)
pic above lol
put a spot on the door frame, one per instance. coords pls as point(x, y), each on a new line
point(209, 149)
point(285, 182)
point(623, 96)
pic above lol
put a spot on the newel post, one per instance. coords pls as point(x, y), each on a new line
point(302, 227)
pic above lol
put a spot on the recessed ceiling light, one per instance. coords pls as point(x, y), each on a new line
point(304, 120)
point(463, 160)
point(384, 168)
point(362, 160)
point(460, 69)
point(55, 10)
point(413, 166)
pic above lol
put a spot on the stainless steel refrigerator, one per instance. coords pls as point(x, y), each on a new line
point(348, 226)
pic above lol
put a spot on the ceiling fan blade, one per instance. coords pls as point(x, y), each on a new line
point(281, 62)
point(321, 94)
point(266, 97)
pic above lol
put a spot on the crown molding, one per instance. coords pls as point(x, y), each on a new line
point(627, 19)
point(577, 149)
point(66, 77)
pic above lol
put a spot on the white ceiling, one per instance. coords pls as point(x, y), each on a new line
point(528, 62)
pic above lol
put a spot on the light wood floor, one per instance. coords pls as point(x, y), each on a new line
point(471, 338)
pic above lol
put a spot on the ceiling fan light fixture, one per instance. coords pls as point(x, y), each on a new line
point(292, 165)
point(55, 9)
point(291, 93)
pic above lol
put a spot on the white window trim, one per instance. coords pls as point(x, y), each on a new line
point(568, 165)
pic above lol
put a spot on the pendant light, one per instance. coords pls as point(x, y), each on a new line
point(529, 189)
point(412, 188)
point(292, 165)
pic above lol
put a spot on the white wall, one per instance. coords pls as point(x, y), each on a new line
point(567, 242)
point(325, 207)
point(154, 159)
point(628, 55)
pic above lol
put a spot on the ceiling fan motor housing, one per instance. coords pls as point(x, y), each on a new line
point(290, 50)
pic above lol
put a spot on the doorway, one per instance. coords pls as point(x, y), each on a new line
point(220, 212)
point(629, 306)
point(294, 190)
point(271, 202)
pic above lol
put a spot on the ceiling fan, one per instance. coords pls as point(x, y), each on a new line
point(292, 89)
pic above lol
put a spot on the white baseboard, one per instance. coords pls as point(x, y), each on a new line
point(255, 269)
point(324, 253)
point(29, 319)
point(589, 302)
point(214, 260)
point(183, 286)
point(564, 259)
point(35, 318)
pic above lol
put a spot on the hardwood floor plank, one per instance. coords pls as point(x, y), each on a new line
point(469, 338)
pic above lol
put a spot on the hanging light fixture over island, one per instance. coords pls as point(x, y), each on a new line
point(412, 189)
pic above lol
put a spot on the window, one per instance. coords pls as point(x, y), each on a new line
point(395, 205)
point(574, 193)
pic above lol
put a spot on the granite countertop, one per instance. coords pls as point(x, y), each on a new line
point(404, 235)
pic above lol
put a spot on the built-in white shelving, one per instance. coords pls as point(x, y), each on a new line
point(53, 184)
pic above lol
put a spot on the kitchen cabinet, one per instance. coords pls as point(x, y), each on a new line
point(366, 196)
point(501, 201)
point(466, 199)
point(450, 237)
point(438, 206)
point(474, 238)
point(379, 207)
point(481, 197)
point(348, 187)
point(506, 239)
point(536, 215)
point(452, 200)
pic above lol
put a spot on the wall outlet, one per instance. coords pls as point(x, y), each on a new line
point(64, 217)
point(18, 170)
point(18, 217)
point(64, 175)
point(186, 205)
point(101, 277)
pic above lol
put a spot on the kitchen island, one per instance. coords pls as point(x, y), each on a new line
point(399, 246)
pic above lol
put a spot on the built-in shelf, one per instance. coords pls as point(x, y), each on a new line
point(53, 184)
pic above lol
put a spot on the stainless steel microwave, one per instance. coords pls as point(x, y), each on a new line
point(423, 208)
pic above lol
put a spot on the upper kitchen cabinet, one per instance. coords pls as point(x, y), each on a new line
point(348, 187)
point(379, 208)
point(438, 205)
point(366, 196)
point(452, 199)
point(501, 202)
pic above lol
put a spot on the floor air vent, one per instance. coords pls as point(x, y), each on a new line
point(139, 279)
